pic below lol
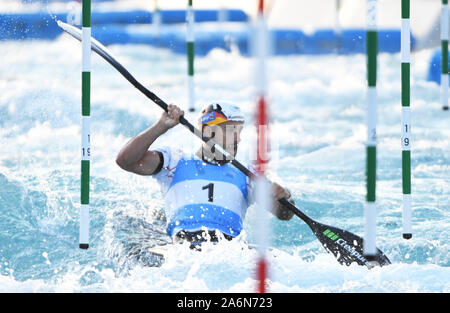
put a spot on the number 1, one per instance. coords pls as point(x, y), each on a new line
point(210, 188)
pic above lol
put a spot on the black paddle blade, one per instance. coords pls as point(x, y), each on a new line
point(346, 246)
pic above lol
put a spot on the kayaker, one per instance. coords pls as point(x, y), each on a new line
point(206, 197)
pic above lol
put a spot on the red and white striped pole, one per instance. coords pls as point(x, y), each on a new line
point(262, 185)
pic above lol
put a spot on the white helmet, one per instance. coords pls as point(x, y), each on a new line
point(220, 112)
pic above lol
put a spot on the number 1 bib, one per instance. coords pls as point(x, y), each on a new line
point(205, 195)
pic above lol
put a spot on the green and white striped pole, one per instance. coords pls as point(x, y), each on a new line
point(406, 124)
point(369, 246)
point(444, 47)
point(85, 124)
point(190, 55)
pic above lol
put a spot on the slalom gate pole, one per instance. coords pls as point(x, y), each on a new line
point(444, 59)
point(262, 185)
point(337, 28)
point(190, 55)
point(406, 124)
point(222, 14)
point(156, 19)
point(85, 124)
point(369, 246)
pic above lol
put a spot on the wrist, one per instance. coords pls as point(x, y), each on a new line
point(161, 126)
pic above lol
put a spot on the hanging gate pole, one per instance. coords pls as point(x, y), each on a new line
point(85, 124)
point(406, 125)
point(371, 150)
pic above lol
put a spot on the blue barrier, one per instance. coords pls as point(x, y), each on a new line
point(29, 26)
point(118, 28)
point(285, 42)
point(167, 16)
point(173, 38)
point(434, 70)
point(30, 20)
point(326, 41)
point(41, 25)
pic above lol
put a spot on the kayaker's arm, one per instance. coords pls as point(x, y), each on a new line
point(135, 156)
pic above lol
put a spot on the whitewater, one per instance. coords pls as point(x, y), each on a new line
point(318, 133)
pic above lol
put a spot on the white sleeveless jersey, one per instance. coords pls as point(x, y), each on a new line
point(200, 195)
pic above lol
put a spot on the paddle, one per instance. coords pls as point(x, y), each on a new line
point(345, 246)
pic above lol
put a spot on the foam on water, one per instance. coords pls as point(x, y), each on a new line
point(318, 133)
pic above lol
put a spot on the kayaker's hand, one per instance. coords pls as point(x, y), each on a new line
point(280, 211)
point(172, 117)
point(280, 192)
